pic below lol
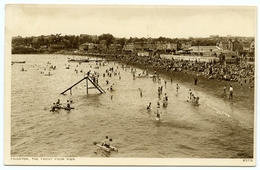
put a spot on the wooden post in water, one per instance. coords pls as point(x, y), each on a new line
point(87, 85)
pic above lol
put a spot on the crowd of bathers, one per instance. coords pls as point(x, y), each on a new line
point(239, 72)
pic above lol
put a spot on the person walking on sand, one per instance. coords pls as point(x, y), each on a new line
point(230, 92)
point(196, 80)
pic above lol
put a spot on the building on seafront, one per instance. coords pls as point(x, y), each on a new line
point(205, 50)
point(151, 47)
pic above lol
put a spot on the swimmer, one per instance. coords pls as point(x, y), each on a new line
point(111, 86)
point(158, 104)
point(68, 103)
point(53, 107)
point(166, 97)
point(71, 100)
point(58, 102)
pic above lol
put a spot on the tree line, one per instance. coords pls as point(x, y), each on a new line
point(73, 41)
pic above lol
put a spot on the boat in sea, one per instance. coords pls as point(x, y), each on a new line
point(17, 62)
point(111, 148)
point(78, 60)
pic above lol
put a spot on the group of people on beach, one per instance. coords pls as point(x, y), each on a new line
point(242, 72)
point(211, 69)
point(230, 94)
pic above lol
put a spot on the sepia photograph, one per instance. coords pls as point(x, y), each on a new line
point(149, 85)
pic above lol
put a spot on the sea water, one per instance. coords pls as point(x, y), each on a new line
point(214, 129)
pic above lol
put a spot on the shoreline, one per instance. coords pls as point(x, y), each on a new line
point(243, 98)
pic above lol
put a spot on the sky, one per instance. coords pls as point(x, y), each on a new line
point(131, 20)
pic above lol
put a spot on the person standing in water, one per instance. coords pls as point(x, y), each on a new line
point(177, 88)
point(166, 97)
point(158, 115)
point(165, 100)
point(224, 94)
point(68, 103)
point(149, 106)
point(58, 102)
point(141, 92)
point(158, 104)
point(189, 95)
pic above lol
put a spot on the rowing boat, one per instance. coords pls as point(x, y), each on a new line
point(61, 107)
point(111, 148)
point(78, 60)
point(17, 62)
